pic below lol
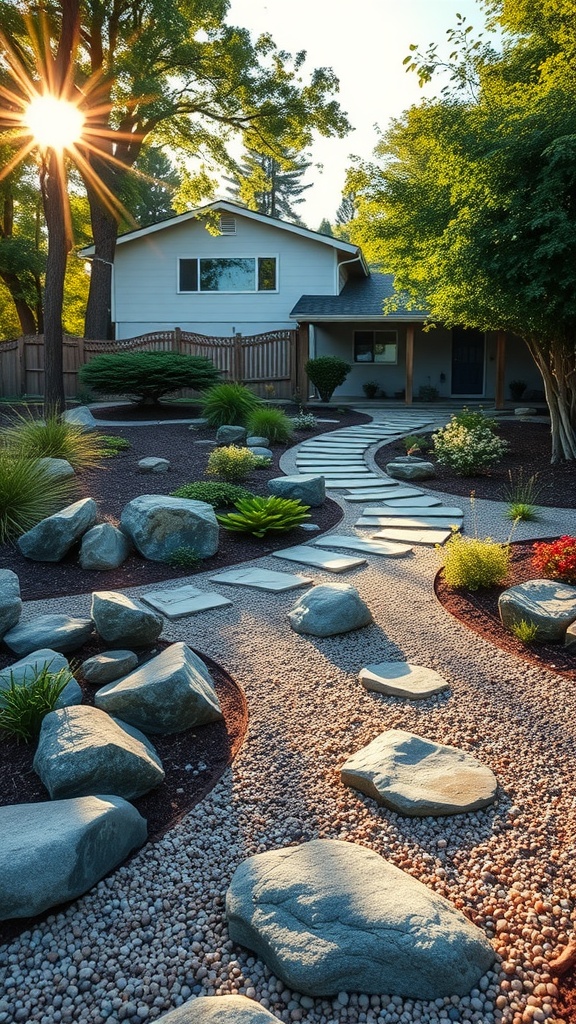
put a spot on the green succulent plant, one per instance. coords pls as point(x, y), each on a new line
point(260, 515)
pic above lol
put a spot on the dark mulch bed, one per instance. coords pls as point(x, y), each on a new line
point(118, 481)
point(529, 450)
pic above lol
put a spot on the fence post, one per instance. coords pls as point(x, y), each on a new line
point(177, 340)
point(21, 365)
point(237, 358)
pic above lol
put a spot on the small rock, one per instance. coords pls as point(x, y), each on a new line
point(410, 471)
point(229, 434)
point(309, 489)
point(153, 464)
point(219, 1010)
point(26, 670)
point(53, 537)
point(123, 620)
point(82, 417)
point(108, 666)
point(328, 610)
point(103, 547)
point(58, 469)
point(525, 410)
point(548, 604)
point(257, 442)
point(264, 453)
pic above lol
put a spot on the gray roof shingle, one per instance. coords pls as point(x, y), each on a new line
point(360, 297)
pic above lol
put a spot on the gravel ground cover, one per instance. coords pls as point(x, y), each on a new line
point(153, 933)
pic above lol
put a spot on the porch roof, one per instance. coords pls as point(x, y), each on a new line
point(360, 299)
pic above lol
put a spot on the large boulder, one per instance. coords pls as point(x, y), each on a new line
point(229, 434)
point(81, 417)
point(219, 1010)
point(158, 525)
point(110, 665)
point(104, 547)
point(307, 488)
point(330, 917)
point(59, 632)
point(404, 470)
point(53, 537)
point(82, 751)
point(170, 693)
point(27, 669)
point(10, 600)
point(122, 620)
point(418, 777)
point(53, 852)
point(548, 604)
point(329, 609)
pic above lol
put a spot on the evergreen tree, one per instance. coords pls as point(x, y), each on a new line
point(270, 184)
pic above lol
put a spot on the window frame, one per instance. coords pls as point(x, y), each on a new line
point(240, 291)
point(373, 361)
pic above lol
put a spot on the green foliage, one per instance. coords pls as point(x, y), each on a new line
point(522, 495)
point(467, 450)
point(184, 557)
point(556, 560)
point(427, 393)
point(28, 493)
point(471, 563)
point(517, 389)
point(524, 631)
point(416, 443)
point(232, 463)
point(271, 184)
point(24, 705)
point(371, 388)
point(261, 515)
point(519, 511)
point(112, 445)
point(219, 495)
point(147, 376)
point(304, 421)
point(229, 402)
point(271, 423)
point(475, 419)
point(54, 438)
point(327, 373)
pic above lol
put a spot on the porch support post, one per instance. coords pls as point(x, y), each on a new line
point(409, 363)
point(500, 367)
point(302, 355)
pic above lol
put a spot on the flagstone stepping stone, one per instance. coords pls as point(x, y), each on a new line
point(398, 492)
point(168, 694)
point(328, 610)
point(417, 777)
point(110, 665)
point(346, 482)
point(329, 916)
point(336, 473)
point(424, 502)
point(336, 459)
point(262, 579)
point(53, 537)
point(24, 671)
point(330, 561)
point(83, 751)
point(406, 536)
point(10, 600)
point(378, 482)
point(103, 547)
point(187, 600)
point(52, 852)
point(368, 546)
point(158, 525)
point(417, 524)
point(123, 620)
point(400, 679)
point(235, 1009)
point(550, 605)
point(361, 497)
point(442, 511)
point(308, 488)
point(58, 632)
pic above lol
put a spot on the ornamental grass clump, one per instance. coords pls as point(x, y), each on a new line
point(521, 496)
point(53, 438)
point(29, 492)
point(468, 449)
point(470, 563)
point(556, 560)
point(24, 705)
point(524, 631)
point(271, 423)
point(233, 463)
point(229, 403)
point(261, 515)
point(213, 492)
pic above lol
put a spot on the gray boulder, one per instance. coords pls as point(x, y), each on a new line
point(53, 537)
point(10, 600)
point(418, 777)
point(525, 410)
point(170, 693)
point(58, 469)
point(329, 609)
point(309, 489)
point(550, 605)
point(229, 434)
point(53, 852)
point(257, 442)
point(104, 668)
point(82, 751)
point(26, 670)
point(81, 417)
point(219, 1010)
point(123, 620)
point(264, 453)
point(153, 464)
point(330, 917)
point(59, 632)
point(103, 547)
point(570, 635)
point(158, 525)
point(410, 470)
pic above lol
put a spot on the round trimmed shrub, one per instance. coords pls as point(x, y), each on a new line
point(327, 373)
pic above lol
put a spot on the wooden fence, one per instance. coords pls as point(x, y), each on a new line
point(259, 360)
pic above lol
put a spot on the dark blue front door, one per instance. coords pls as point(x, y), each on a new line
point(468, 347)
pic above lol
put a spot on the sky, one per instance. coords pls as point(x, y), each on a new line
point(365, 42)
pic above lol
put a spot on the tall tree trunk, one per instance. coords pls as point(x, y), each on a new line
point(556, 361)
point(58, 245)
point(98, 321)
point(28, 323)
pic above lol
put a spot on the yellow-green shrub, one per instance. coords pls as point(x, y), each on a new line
point(471, 563)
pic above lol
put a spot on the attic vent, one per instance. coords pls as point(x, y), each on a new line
point(227, 224)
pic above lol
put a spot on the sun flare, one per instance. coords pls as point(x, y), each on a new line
point(54, 123)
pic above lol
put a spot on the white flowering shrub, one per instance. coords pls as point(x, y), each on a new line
point(467, 450)
point(304, 421)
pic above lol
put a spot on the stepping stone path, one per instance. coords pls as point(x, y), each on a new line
point(262, 579)
point(417, 777)
point(330, 561)
point(406, 536)
point(446, 511)
point(370, 547)
point(187, 600)
point(400, 679)
point(329, 916)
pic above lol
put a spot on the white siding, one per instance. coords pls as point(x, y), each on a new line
point(146, 280)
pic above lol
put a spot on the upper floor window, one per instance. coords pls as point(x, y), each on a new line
point(228, 274)
point(375, 347)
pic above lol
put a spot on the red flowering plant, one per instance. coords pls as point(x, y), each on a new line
point(557, 559)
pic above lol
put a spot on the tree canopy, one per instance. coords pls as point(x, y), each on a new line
point(271, 184)
point(471, 198)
